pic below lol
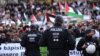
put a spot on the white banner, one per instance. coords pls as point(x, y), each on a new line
point(11, 49)
point(15, 49)
point(75, 52)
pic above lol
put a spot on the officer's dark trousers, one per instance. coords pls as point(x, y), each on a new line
point(57, 53)
point(33, 53)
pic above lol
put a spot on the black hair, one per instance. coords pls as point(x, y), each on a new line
point(24, 28)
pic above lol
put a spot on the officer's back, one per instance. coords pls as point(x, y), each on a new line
point(30, 42)
point(57, 39)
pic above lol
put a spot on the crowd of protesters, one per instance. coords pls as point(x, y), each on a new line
point(16, 22)
point(13, 18)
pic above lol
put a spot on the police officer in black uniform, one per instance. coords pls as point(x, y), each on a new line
point(30, 42)
point(86, 41)
point(57, 39)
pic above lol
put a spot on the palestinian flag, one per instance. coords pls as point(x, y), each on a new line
point(61, 7)
point(18, 22)
point(50, 18)
point(33, 18)
point(66, 8)
point(43, 20)
point(95, 7)
point(69, 11)
point(25, 19)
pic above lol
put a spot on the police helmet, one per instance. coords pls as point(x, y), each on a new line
point(91, 49)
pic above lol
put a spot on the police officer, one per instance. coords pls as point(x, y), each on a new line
point(85, 42)
point(30, 42)
point(57, 39)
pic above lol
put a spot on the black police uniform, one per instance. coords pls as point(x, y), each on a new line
point(30, 42)
point(58, 41)
point(87, 41)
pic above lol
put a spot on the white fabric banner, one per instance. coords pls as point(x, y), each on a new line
point(15, 49)
point(75, 52)
point(11, 49)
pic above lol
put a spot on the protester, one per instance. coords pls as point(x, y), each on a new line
point(2, 35)
point(16, 18)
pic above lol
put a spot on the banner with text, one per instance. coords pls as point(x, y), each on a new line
point(15, 49)
point(11, 49)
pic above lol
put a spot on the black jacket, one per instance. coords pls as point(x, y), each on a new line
point(30, 41)
point(57, 38)
point(87, 41)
